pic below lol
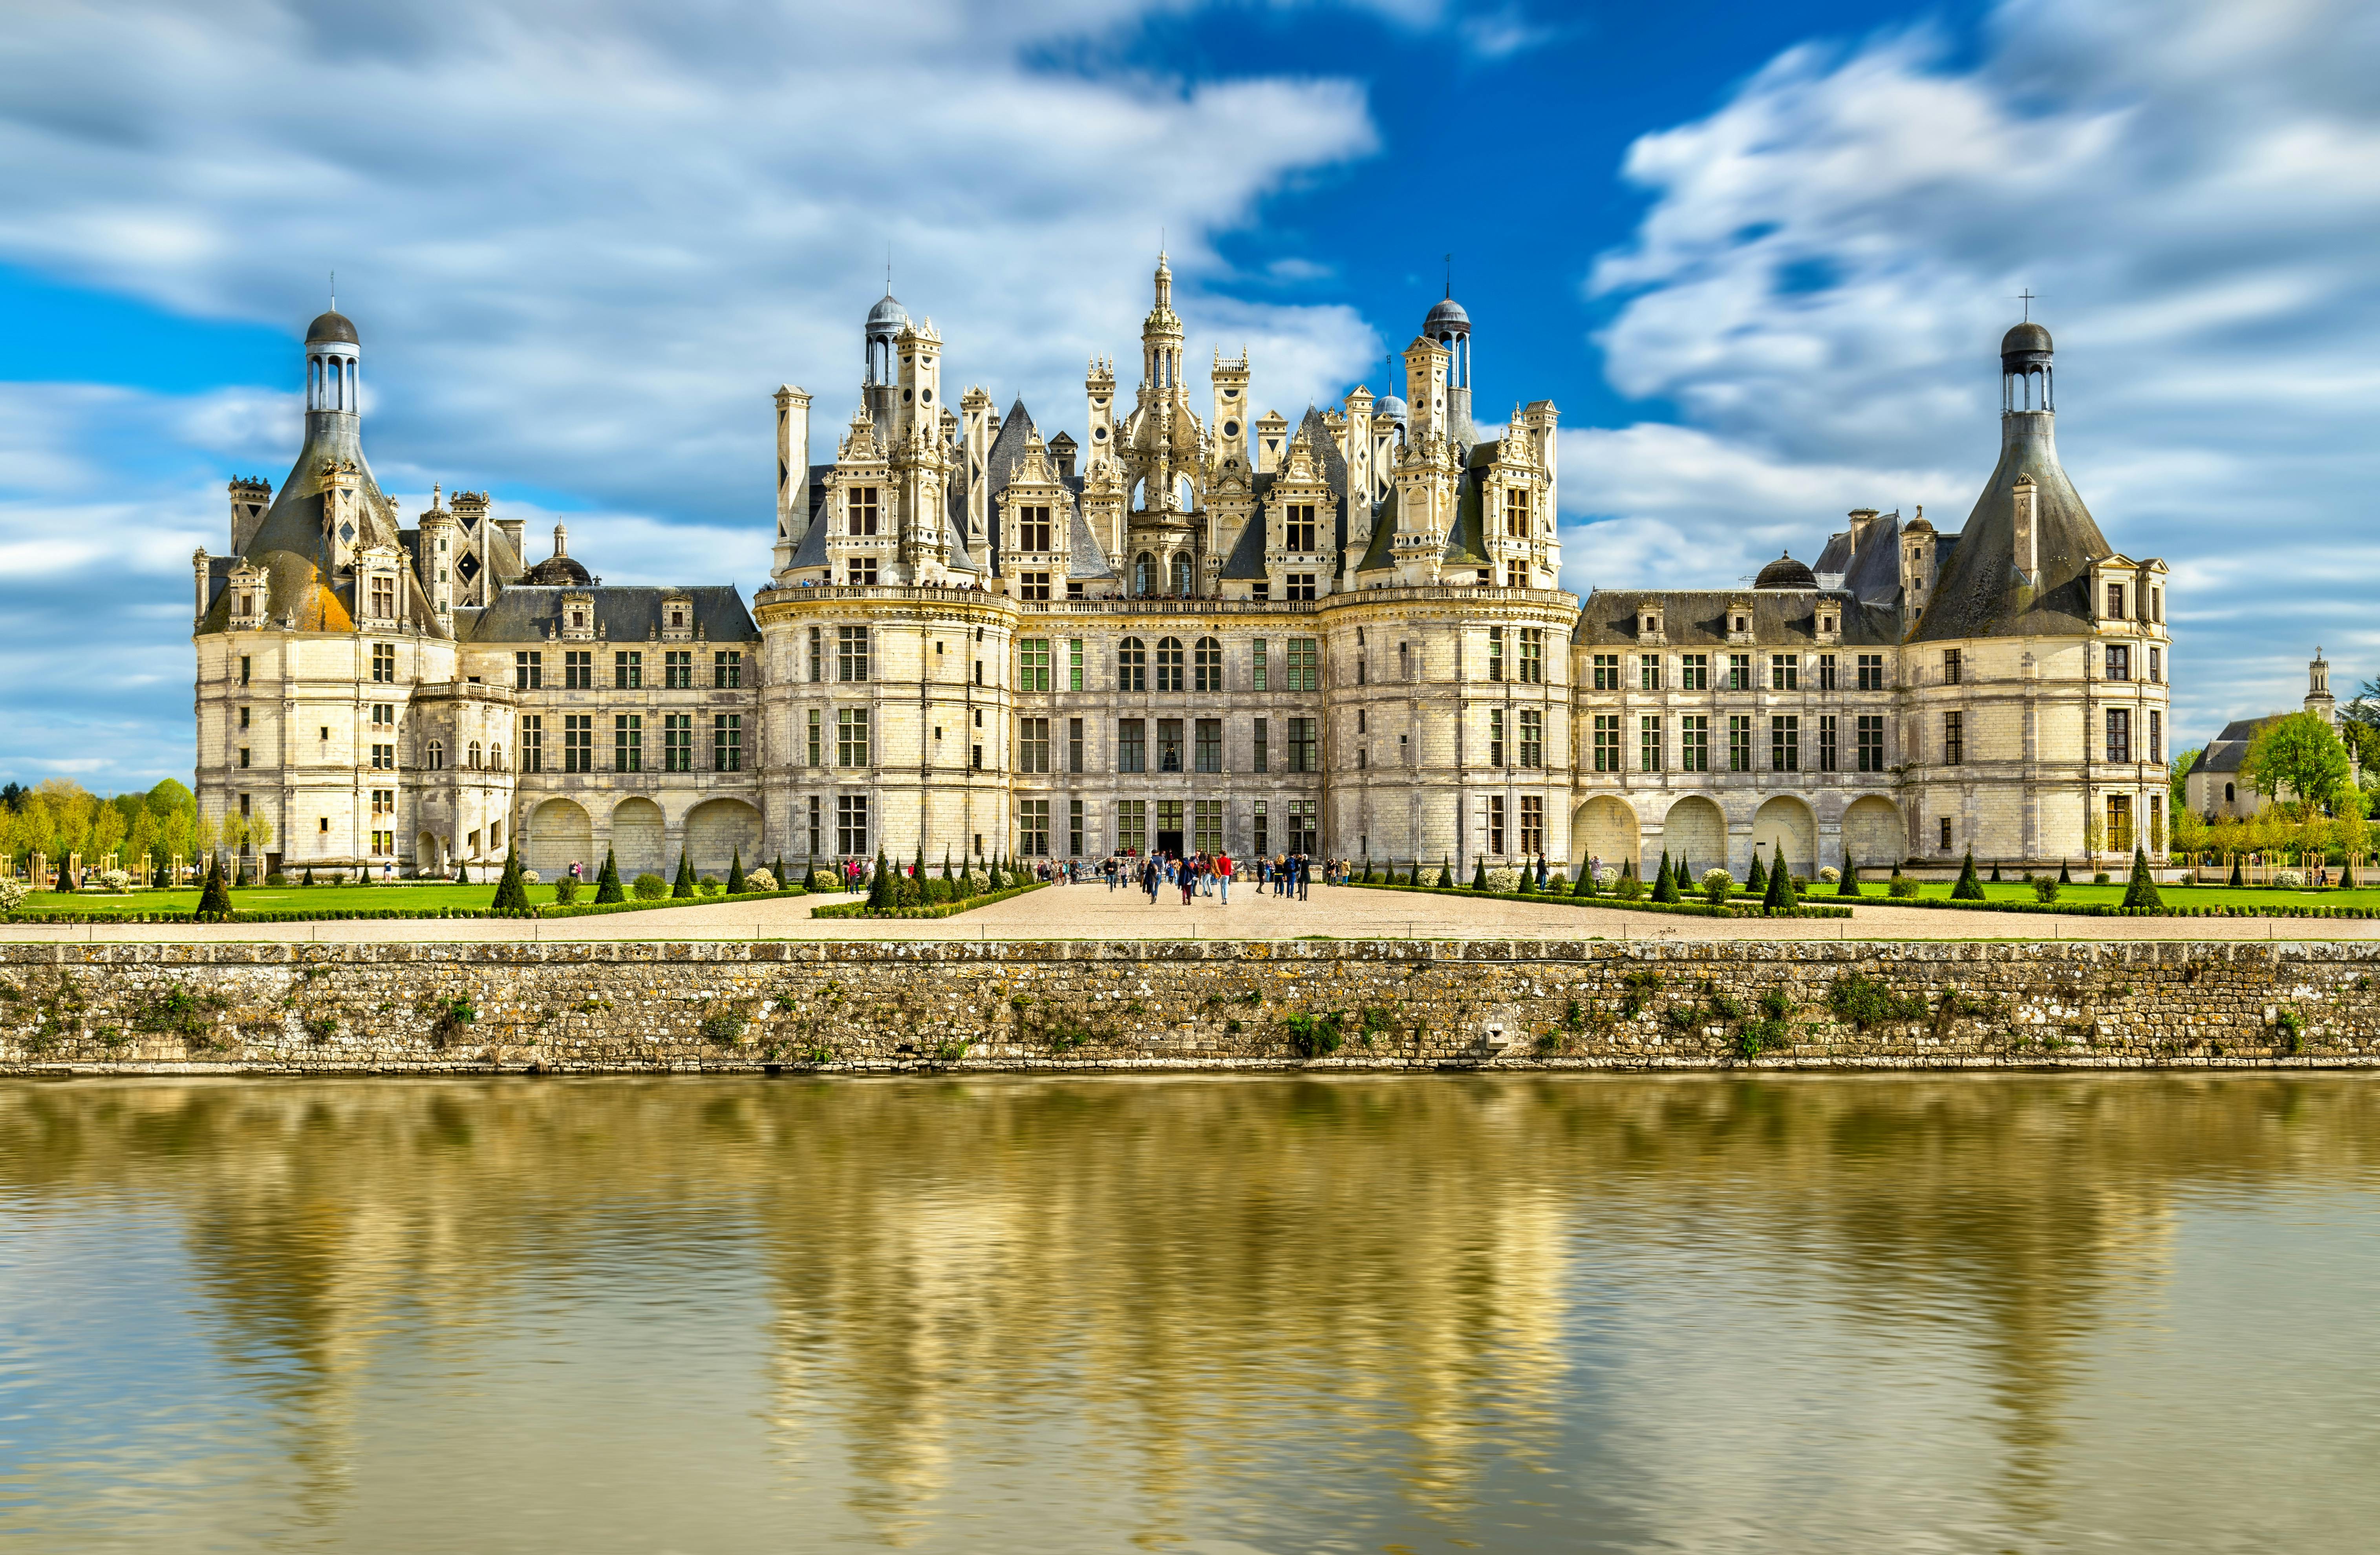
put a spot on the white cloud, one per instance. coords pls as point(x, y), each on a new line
point(2191, 190)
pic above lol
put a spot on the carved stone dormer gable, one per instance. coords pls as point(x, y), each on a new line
point(861, 445)
point(578, 617)
point(1741, 621)
point(677, 616)
point(1652, 625)
point(247, 589)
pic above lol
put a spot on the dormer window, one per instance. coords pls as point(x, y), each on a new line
point(1652, 624)
point(578, 618)
point(1826, 623)
point(2115, 601)
point(1743, 623)
point(677, 617)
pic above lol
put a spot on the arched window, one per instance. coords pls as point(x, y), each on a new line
point(1206, 665)
point(1182, 575)
point(1143, 573)
point(2230, 793)
point(1183, 497)
point(1168, 664)
point(474, 756)
point(1131, 665)
point(437, 755)
point(496, 757)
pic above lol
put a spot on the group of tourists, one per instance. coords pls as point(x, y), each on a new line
point(1211, 875)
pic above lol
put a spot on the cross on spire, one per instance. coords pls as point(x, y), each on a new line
point(2026, 297)
point(1450, 277)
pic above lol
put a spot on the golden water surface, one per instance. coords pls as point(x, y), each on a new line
point(1213, 1315)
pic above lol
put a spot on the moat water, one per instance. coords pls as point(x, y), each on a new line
point(1219, 1316)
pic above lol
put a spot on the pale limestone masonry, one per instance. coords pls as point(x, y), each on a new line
point(1191, 631)
point(890, 1007)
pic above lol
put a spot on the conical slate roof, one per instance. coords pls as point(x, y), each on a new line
point(1976, 594)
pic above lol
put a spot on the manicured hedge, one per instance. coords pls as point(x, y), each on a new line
point(351, 914)
point(939, 909)
point(1563, 899)
point(2109, 909)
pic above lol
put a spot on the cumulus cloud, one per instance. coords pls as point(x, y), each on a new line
point(2191, 190)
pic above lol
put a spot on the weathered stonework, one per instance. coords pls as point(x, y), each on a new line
point(888, 1007)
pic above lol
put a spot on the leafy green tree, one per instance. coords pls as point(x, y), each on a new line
point(1969, 888)
point(2298, 755)
point(2178, 776)
point(2142, 892)
point(512, 892)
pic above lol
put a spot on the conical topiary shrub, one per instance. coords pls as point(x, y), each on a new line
point(607, 884)
point(1445, 873)
point(2065, 875)
point(1415, 879)
point(2238, 880)
point(736, 886)
point(309, 879)
point(1665, 884)
point(1528, 879)
point(1969, 888)
point(462, 874)
point(1850, 885)
point(1779, 899)
point(2347, 876)
point(1756, 882)
point(882, 893)
point(917, 867)
point(683, 884)
point(1479, 875)
point(1996, 872)
point(214, 897)
point(512, 892)
point(780, 874)
point(1585, 884)
point(2142, 892)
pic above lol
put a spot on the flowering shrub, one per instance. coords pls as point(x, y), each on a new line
point(1606, 877)
point(760, 880)
point(12, 895)
point(114, 880)
point(528, 877)
point(1717, 883)
point(2290, 879)
point(1830, 875)
point(1503, 879)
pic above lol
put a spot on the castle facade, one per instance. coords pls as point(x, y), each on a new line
point(1197, 629)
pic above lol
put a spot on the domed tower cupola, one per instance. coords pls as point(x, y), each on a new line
point(330, 355)
point(1448, 325)
point(877, 390)
point(1160, 340)
point(2025, 378)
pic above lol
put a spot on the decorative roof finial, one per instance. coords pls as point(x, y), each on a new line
point(2026, 297)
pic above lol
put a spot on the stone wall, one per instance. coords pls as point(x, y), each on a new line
point(877, 1006)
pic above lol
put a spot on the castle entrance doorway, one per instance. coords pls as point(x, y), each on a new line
point(1169, 842)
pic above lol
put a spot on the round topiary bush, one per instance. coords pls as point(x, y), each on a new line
point(2288, 879)
point(1902, 887)
point(1830, 874)
point(760, 880)
point(1716, 884)
point(650, 888)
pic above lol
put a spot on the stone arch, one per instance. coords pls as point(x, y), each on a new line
point(716, 829)
point(1605, 829)
point(638, 837)
point(1143, 572)
point(428, 857)
point(560, 834)
point(1695, 834)
point(1789, 831)
point(1873, 834)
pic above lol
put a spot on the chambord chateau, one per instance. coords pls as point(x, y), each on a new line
point(1192, 626)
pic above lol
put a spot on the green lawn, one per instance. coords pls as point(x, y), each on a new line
point(294, 898)
point(1873, 890)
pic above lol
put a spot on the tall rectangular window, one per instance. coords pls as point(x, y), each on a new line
point(1784, 671)
point(578, 672)
point(2120, 822)
point(1033, 828)
point(2119, 662)
point(818, 657)
point(1304, 836)
point(2119, 734)
point(628, 743)
point(2115, 601)
point(1871, 671)
point(1739, 744)
point(627, 671)
point(1207, 826)
point(1785, 744)
point(1954, 738)
point(851, 825)
point(677, 742)
point(1533, 655)
point(727, 669)
point(1073, 829)
point(1607, 672)
point(1606, 742)
point(1305, 666)
point(1168, 744)
point(1301, 586)
point(1131, 665)
point(815, 827)
point(528, 672)
point(1303, 756)
point(2157, 735)
point(817, 718)
point(861, 572)
point(1208, 747)
point(1075, 747)
point(1032, 745)
point(1170, 662)
point(1206, 665)
point(1132, 826)
point(383, 598)
point(1132, 745)
point(677, 670)
point(1648, 672)
point(1257, 668)
point(1693, 743)
point(1738, 672)
point(1495, 737)
point(1074, 663)
point(851, 653)
point(1033, 530)
point(579, 742)
point(1954, 666)
point(1827, 757)
point(1648, 744)
point(726, 742)
point(383, 664)
point(1533, 824)
point(860, 505)
point(1260, 830)
point(1297, 528)
point(1496, 824)
point(1533, 738)
point(2157, 663)
point(1825, 672)
point(850, 737)
point(1693, 672)
point(1495, 652)
point(1261, 755)
point(533, 744)
point(1033, 664)
point(1870, 737)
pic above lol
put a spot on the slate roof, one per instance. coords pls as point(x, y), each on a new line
point(2227, 751)
point(1975, 587)
point(1697, 619)
point(625, 615)
point(1084, 558)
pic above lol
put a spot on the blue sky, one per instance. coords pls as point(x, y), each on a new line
point(1759, 255)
